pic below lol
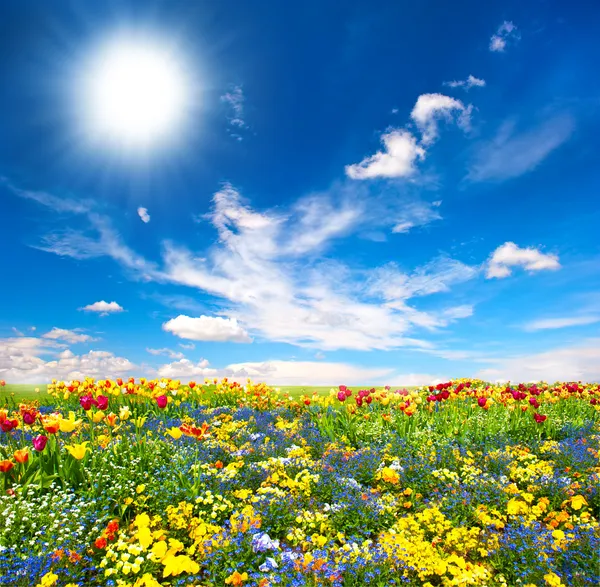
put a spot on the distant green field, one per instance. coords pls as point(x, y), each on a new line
point(24, 391)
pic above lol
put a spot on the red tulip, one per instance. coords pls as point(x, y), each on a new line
point(161, 401)
point(481, 402)
point(6, 466)
point(39, 442)
point(307, 402)
point(341, 396)
point(539, 418)
point(28, 418)
point(368, 399)
point(87, 401)
point(192, 384)
point(102, 402)
point(359, 401)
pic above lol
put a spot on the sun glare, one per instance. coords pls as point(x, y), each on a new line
point(136, 94)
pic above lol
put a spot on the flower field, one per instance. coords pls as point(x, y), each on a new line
point(147, 483)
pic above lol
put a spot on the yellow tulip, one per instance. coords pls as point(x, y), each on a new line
point(174, 432)
point(70, 424)
point(98, 416)
point(124, 413)
point(77, 451)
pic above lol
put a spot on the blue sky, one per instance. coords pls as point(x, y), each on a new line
point(359, 193)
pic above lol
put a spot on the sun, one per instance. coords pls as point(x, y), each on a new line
point(136, 94)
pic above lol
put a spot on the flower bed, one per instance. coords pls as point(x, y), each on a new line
point(156, 483)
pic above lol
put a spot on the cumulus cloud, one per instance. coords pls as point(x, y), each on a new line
point(430, 109)
point(507, 32)
point(21, 361)
point(143, 214)
point(397, 159)
point(103, 308)
point(207, 328)
point(70, 336)
point(564, 322)
point(186, 368)
point(510, 154)
point(466, 84)
point(509, 255)
point(577, 362)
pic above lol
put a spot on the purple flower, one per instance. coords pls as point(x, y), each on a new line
point(39, 442)
point(262, 542)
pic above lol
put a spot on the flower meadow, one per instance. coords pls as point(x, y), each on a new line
point(148, 483)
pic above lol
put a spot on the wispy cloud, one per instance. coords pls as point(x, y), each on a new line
point(506, 33)
point(168, 352)
point(512, 154)
point(563, 322)
point(235, 98)
point(70, 336)
point(510, 255)
point(577, 362)
point(466, 84)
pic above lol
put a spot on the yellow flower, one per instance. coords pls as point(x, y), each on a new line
point(48, 580)
point(558, 535)
point(140, 421)
point(389, 475)
point(553, 580)
point(578, 501)
point(177, 564)
point(174, 432)
point(124, 413)
point(70, 424)
point(98, 416)
point(140, 488)
point(77, 451)
point(146, 580)
point(516, 507)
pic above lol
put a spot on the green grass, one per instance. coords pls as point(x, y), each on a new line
point(20, 392)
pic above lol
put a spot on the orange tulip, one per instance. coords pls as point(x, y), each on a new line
point(21, 456)
point(111, 419)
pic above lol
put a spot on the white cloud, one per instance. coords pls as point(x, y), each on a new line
point(187, 368)
point(235, 100)
point(103, 308)
point(70, 336)
point(566, 322)
point(396, 160)
point(578, 362)
point(510, 255)
point(20, 362)
point(143, 214)
point(431, 108)
point(190, 347)
point(416, 214)
point(506, 32)
point(466, 84)
point(510, 154)
point(207, 328)
point(171, 354)
point(307, 373)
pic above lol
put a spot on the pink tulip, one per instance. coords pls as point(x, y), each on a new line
point(161, 401)
point(102, 402)
point(39, 442)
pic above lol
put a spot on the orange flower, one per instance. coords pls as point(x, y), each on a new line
point(218, 465)
point(111, 419)
point(6, 466)
point(22, 456)
point(236, 579)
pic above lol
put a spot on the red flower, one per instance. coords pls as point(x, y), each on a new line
point(341, 396)
point(6, 466)
point(120, 382)
point(481, 402)
point(39, 442)
point(161, 401)
point(359, 401)
point(87, 401)
point(28, 418)
point(192, 384)
point(307, 402)
point(7, 425)
point(539, 418)
point(100, 543)
point(102, 402)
